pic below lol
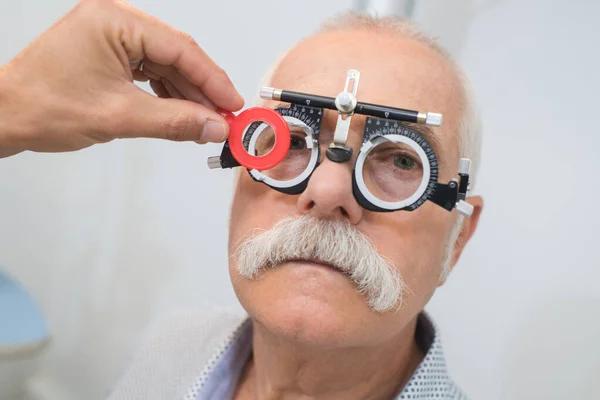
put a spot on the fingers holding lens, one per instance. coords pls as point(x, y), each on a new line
point(168, 47)
point(172, 90)
point(176, 81)
point(159, 89)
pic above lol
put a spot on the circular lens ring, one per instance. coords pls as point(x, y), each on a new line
point(237, 127)
point(312, 163)
point(416, 198)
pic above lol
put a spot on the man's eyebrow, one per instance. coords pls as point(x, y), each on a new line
point(426, 132)
point(281, 105)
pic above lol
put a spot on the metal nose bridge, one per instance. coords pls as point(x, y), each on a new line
point(345, 102)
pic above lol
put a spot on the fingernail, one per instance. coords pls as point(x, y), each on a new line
point(213, 131)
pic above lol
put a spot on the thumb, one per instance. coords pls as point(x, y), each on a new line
point(145, 115)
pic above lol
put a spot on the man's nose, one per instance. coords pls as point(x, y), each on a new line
point(329, 193)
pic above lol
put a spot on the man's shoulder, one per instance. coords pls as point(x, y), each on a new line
point(173, 352)
point(431, 379)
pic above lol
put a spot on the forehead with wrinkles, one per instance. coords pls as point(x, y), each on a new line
point(395, 71)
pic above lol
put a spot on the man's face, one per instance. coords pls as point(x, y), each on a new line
point(320, 305)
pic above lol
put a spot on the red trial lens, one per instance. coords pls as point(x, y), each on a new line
point(237, 127)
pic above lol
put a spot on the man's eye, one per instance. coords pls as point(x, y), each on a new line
point(404, 162)
point(297, 143)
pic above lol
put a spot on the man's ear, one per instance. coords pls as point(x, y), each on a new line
point(468, 228)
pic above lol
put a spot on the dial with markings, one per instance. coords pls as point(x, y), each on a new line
point(311, 116)
point(380, 127)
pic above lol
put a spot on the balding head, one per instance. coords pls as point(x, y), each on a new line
point(467, 124)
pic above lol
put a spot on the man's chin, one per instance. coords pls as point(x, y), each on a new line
point(304, 301)
point(308, 303)
point(306, 321)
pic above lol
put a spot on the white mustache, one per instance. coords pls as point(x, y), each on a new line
point(334, 242)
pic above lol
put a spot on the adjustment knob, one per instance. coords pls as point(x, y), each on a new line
point(345, 102)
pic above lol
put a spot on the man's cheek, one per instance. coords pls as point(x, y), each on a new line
point(414, 246)
point(240, 219)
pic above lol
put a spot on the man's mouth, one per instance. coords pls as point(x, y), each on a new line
point(317, 262)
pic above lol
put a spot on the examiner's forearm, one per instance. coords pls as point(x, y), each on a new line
point(66, 92)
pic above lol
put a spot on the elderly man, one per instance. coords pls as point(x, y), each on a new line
point(334, 290)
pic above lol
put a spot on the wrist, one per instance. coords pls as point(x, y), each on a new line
point(9, 128)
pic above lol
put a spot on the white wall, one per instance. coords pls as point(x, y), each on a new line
point(111, 237)
point(521, 313)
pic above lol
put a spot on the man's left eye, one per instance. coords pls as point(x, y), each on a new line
point(404, 162)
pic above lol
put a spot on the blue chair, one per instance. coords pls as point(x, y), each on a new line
point(23, 335)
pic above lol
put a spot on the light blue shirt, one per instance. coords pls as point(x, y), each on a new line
point(430, 381)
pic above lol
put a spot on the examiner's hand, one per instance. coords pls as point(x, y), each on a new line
point(73, 86)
